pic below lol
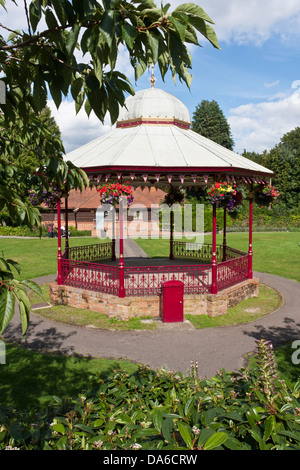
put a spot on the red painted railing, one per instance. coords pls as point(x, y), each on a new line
point(232, 253)
point(89, 253)
point(147, 280)
point(196, 251)
point(232, 272)
point(91, 276)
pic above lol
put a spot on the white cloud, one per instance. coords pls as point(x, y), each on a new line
point(252, 21)
point(14, 17)
point(77, 129)
point(270, 85)
point(259, 127)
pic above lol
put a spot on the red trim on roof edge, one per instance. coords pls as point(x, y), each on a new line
point(185, 170)
point(139, 122)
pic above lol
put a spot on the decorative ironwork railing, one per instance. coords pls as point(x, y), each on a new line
point(89, 253)
point(91, 276)
point(147, 280)
point(232, 272)
point(197, 251)
point(232, 253)
point(87, 273)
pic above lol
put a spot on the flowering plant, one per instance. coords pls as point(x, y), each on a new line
point(50, 198)
point(111, 193)
point(225, 195)
point(265, 195)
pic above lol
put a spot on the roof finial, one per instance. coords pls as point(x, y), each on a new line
point(152, 80)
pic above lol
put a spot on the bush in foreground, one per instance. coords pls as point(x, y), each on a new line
point(150, 410)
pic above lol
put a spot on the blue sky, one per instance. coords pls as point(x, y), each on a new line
point(255, 78)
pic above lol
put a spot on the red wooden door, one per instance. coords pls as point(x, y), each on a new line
point(172, 301)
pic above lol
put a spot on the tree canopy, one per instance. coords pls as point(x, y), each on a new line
point(26, 147)
point(41, 61)
point(284, 160)
point(209, 121)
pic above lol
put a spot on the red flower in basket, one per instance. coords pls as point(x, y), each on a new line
point(112, 192)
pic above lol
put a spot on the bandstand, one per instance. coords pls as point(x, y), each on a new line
point(153, 145)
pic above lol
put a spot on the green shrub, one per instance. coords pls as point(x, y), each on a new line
point(248, 410)
point(74, 232)
point(273, 219)
point(23, 231)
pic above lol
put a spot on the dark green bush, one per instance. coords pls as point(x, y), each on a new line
point(275, 218)
point(151, 410)
point(23, 231)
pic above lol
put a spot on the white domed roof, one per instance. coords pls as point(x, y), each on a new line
point(155, 104)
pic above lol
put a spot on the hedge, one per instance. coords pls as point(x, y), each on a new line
point(23, 231)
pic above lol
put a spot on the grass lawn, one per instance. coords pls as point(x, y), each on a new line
point(37, 257)
point(273, 252)
point(29, 379)
point(246, 311)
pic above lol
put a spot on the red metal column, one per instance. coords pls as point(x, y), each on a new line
point(59, 259)
point(121, 261)
point(250, 251)
point(214, 267)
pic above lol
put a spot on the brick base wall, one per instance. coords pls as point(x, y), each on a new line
point(219, 303)
point(128, 307)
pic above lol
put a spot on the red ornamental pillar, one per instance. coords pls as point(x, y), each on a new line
point(214, 267)
point(121, 260)
point(250, 251)
point(59, 258)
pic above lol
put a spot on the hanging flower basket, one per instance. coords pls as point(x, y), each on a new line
point(225, 195)
point(50, 198)
point(111, 193)
point(265, 195)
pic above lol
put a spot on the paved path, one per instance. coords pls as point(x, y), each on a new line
point(173, 346)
